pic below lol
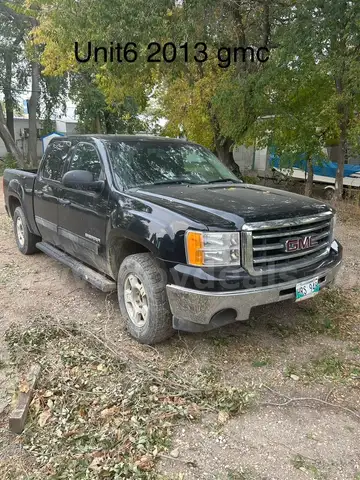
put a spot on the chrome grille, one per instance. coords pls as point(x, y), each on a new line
point(263, 243)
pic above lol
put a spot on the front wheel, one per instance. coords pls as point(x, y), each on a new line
point(142, 298)
point(25, 240)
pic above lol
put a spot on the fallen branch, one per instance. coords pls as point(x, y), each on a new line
point(290, 400)
point(189, 463)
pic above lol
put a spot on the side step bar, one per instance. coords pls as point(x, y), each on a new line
point(95, 278)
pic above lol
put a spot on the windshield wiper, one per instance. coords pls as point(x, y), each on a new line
point(220, 180)
point(174, 182)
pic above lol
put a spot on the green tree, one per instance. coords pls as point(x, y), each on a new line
point(300, 119)
point(228, 23)
point(327, 35)
point(96, 115)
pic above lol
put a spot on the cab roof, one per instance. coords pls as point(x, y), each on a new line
point(123, 138)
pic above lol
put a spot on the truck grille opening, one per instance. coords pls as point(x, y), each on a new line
point(282, 245)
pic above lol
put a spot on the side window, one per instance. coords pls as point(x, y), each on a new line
point(85, 157)
point(54, 160)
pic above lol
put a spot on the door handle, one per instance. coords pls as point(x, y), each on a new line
point(64, 201)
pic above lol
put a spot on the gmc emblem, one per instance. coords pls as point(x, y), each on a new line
point(295, 244)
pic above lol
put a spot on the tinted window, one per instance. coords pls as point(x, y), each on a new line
point(85, 157)
point(150, 162)
point(54, 160)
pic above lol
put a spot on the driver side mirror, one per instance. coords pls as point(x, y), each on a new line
point(82, 180)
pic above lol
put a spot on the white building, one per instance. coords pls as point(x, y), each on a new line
point(250, 159)
point(21, 131)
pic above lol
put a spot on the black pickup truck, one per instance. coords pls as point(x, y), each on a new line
point(187, 245)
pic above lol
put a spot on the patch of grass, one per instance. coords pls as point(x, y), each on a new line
point(280, 330)
point(242, 474)
point(307, 465)
point(3, 364)
point(220, 342)
point(291, 369)
point(354, 349)
point(327, 366)
point(238, 474)
point(333, 311)
point(261, 362)
point(100, 414)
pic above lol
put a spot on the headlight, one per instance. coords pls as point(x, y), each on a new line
point(210, 249)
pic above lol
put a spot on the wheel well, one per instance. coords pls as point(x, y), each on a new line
point(13, 203)
point(119, 248)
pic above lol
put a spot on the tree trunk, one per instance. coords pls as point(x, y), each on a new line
point(9, 142)
point(343, 124)
point(9, 105)
point(97, 124)
point(225, 154)
point(33, 105)
point(310, 176)
point(341, 162)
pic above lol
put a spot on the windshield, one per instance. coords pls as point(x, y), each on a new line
point(139, 163)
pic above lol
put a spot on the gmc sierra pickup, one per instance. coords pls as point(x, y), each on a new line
point(186, 244)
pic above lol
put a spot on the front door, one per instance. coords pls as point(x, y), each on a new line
point(83, 214)
point(48, 188)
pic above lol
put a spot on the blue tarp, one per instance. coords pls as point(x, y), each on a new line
point(326, 168)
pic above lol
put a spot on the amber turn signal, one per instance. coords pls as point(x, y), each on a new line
point(195, 247)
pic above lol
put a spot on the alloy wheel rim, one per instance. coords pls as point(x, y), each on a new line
point(136, 300)
point(20, 231)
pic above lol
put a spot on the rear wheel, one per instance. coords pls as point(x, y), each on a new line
point(25, 240)
point(329, 193)
point(142, 298)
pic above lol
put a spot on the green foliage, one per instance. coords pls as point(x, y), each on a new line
point(250, 179)
point(305, 97)
point(7, 162)
point(98, 116)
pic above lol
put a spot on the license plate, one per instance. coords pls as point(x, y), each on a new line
point(307, 289)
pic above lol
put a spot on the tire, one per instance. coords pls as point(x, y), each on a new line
point(142, 299)
point(329, 193)
point(25, 240)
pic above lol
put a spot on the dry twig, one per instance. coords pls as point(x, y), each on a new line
point(290, 400)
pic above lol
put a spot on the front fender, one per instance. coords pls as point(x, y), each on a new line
point(163, 236)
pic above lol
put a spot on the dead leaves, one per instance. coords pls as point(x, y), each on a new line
point(110, 412)
point(145, 463)
point(44, 417)
point(223, 417)
point(24, 386)
point(96, 420)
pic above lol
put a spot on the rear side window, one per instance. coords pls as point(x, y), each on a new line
point(85, 157)
point(54, 160)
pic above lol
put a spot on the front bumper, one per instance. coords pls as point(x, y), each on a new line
point(196, 310)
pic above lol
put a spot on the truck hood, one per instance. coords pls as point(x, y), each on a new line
point(230, 205)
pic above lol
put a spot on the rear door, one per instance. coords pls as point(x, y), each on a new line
point(83, 214)
point(47, 189)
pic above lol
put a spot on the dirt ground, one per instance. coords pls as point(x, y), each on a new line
point(279, 354)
